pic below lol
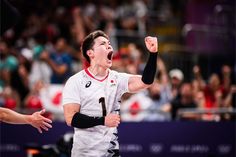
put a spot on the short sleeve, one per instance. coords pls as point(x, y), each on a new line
point(123, 83)
point(71, 91)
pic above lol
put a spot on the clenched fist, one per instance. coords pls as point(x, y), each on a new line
point(112, 120)
point(151, 44)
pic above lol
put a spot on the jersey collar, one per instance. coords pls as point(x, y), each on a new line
point(100, 80)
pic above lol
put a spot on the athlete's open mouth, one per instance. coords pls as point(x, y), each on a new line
point(109, 56)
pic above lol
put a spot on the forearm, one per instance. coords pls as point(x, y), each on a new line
point(13, 117)
point(228, 100)
point(83, 121)
point(150, 69)
point(59, 69)
point(137, 82)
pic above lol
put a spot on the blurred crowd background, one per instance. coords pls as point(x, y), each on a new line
point(196, 64)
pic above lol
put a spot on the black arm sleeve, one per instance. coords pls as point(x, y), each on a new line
point(150, 69)
point(83, 121)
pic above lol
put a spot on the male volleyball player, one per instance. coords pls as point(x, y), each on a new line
point(92, 97)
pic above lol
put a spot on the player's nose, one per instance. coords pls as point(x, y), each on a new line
point(109, 47)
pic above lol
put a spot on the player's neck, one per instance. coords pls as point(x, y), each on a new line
point(98, 71)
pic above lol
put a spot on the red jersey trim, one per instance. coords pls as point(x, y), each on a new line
point(100, 80)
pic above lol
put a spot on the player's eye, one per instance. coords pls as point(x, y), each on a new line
point(103, 43)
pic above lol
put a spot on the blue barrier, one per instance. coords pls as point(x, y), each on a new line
point(144, 139)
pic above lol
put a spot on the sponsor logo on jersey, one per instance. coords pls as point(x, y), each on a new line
point(88, 84)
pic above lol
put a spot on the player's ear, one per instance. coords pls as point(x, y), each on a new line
point(90, 53)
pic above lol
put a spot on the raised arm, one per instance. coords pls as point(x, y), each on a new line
point(36, 119)
point(59, 69)
point(137, 82)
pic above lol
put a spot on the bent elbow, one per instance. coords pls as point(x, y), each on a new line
point(147, 85)
point(68, 122)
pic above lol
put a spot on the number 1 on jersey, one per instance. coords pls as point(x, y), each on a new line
point(104, 110)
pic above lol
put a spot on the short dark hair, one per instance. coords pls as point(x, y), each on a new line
point(89, 42)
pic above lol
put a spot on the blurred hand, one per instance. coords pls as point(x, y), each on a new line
point(233, 89)
point(40, 122)
point(196, 69)
point(76, 11)
point(44, 56)
point(218, 94)
point(151, 44)
point(112, 120)
point(226, 70)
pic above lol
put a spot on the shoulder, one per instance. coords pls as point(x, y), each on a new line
point(74, 82)
point(77, 76)
point(119, 74)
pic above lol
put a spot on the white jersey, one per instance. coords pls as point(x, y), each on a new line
point(96, 98)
